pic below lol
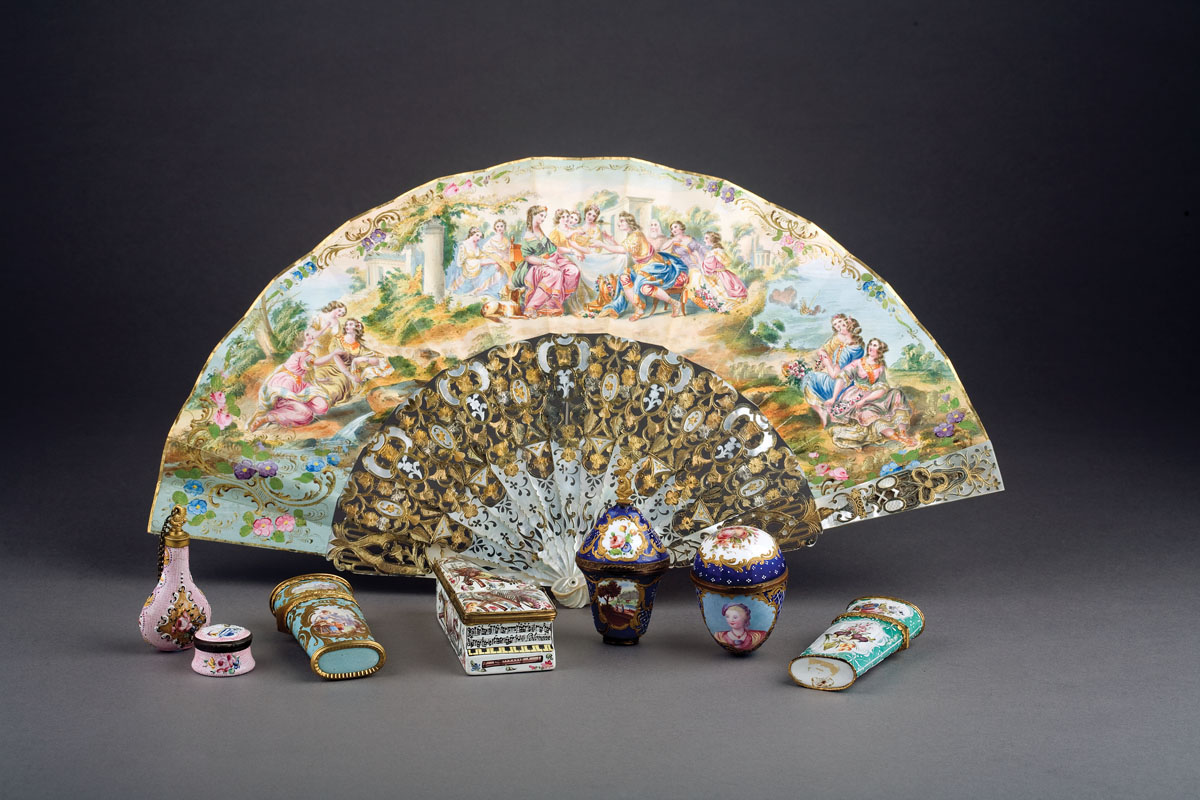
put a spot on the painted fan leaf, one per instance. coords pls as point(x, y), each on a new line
point(497, 340)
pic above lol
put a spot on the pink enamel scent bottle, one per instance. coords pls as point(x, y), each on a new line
point(176, 608)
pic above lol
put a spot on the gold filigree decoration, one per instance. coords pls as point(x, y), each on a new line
point(404, 216)
point(182, 619)
point(954, 476)
point(494, 454)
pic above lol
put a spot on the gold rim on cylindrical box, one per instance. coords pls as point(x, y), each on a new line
point(822, 688)
point(362, 673)
point(312, 576)
point(617, 568)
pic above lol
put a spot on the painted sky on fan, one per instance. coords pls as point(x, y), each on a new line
point(813, 283)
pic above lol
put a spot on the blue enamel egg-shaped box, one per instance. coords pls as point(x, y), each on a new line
point(738, 556)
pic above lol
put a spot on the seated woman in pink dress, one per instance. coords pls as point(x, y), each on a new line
point(288, 397)
point(717, 288)
point(548, 274)
point(864, 409)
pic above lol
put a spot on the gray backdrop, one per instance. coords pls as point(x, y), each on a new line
point(1023, 174)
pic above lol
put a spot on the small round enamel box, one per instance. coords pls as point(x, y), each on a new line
point(222, 651)
point(740, 578)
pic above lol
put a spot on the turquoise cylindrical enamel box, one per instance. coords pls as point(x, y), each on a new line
point(870, 630)
point(321, 612)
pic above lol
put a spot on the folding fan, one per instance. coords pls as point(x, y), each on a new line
point(464, 368)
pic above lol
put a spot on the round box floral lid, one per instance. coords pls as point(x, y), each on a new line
point(222, 637)
point(738, 556)
point(622, 536)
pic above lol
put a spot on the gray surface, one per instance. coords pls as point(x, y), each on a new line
point(1024, 174)
point(1062, 667)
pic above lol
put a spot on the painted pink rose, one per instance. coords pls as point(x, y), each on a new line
point(223, 418)
point(450, 190)
point(218, 398)
point(814, 455)
point(285, 522)
point(467, 185)
point(731, 537)
point(614, 541)
point(839, 474)
point(822, 468)
point(788, 239)
point(263, 527)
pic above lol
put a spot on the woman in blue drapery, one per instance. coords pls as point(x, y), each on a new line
point(651, 274)
point(821, 383)
point(475, 271)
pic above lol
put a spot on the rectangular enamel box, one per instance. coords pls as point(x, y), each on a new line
point(495, 625)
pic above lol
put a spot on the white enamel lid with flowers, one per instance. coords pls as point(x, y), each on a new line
point(902, 611)
point(738, 555)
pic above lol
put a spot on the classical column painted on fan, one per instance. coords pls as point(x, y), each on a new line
point(409, 263)
point(639, 207)
point(373, 267)
point(378, 265)
point(753, 252)
point(432, 239)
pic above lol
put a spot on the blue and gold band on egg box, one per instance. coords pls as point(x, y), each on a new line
point(870, 630)
point(740, 579)
point(321, 612)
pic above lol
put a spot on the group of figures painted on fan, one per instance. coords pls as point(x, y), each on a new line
point(329, 365)
point(581, 269)
point(848, 389)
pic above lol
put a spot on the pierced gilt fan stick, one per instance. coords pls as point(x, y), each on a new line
point(504, 470)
